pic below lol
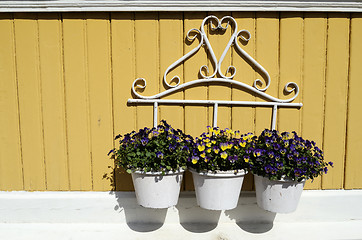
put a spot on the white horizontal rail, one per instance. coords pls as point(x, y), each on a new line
point(216, 104)
point(212, 102)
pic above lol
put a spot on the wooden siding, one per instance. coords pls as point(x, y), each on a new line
point(66, 78)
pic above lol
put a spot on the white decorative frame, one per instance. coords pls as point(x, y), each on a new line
point(244, 35)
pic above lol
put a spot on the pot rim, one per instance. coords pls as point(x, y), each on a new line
point(284, 179)
point(218, 173)
point(179, 171)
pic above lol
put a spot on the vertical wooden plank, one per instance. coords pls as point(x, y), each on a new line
point(267, 54)
point(195, 116)
point(171, 49)
point(243, 117)
point(315, 37)
point(11, 169)
point(76, 89)
point(31, 127)
point(147, 61)
point(100, 96)
point(353, 178)
point(336, 98)
point(291, 67)
point(51, 71)
point(218, 40)
point(123, 70)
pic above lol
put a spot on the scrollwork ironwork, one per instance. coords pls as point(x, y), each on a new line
point(217, 24)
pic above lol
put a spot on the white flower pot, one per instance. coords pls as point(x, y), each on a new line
point(218, 191)
point(154, 190)
point(280, 196)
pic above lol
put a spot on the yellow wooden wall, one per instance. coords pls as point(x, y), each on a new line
point(65, 80)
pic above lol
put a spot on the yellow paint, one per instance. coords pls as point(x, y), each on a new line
point(123, 70)
point(171, 48)
point(147, 61)
point(30, 101)
point(66, 79)
point(315, 37)
point(77, 102)
point(336, 98)
point(53, 108)
point(267, 54)
point(100, 96)
point(353, 178)
point(11, 169)
point(291, 66)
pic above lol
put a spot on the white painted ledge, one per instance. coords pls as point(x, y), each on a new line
point(99, 215)
point(180, 5)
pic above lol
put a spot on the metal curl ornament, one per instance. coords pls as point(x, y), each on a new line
point(294, 88)
point(182, 59)
point(143, 86)
point(257, 89)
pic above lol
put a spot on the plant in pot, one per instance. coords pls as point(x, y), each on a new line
point(156, 158)
point(281, 163)
point(218, 162)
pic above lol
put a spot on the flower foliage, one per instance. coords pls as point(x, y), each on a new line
point(219, 149)
point(286, 155)
point(158, 149)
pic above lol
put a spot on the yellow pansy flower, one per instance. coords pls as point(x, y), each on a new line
point(223, 155)
point(194, 159)
point(223, 146)
point(201, 147)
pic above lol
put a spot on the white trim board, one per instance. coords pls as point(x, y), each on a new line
point(180, 5)
point(328, 214)
point(91, 231)
point(121, 207)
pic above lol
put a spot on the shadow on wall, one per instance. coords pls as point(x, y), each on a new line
point(118, 179)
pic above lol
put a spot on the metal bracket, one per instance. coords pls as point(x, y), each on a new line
point(245, 36)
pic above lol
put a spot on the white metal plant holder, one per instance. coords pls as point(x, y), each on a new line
point(245, 35)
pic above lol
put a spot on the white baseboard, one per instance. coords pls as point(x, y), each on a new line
point(328, 214)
